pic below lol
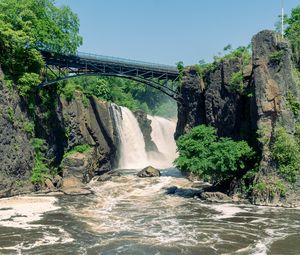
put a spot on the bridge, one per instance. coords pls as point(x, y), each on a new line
point(62, 66)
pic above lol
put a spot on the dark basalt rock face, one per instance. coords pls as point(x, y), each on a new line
point(273, 80)
point(70, 124)
point(89, 124)
point(145, 126)
point(268, 81)
point(213, 102)
point(191, 111)
point(16, 154)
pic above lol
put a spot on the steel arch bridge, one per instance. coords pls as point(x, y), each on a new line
point(62, 66)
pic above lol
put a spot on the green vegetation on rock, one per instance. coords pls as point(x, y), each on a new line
point(294, 103)
point(277, 56)
point(81, 148)
point(286, 152)
point(237, 82)
point(40, 170)
point(212, 158)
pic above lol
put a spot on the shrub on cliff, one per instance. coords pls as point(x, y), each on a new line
point(212, 158)
point(286, 152)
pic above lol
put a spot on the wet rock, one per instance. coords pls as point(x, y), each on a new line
point(145, 126)
point(73, 186)
point(215, 197)
point(76, 191)
point(183, 192)
point(171, 190)
point(201, 185)
point(57, 181)
point(187, 192)
point(49, 184)
point(107, 176)
point(149, 171)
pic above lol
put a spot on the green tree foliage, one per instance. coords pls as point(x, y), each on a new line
point(180, 67)
point(28, 25)
point(286, 152)
point(124, 92)
point(27, 82)
point(211, 157)
point(292, 32)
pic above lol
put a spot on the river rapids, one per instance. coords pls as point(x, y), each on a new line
point(139, 216)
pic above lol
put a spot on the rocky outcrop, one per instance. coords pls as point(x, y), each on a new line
point(212, 101)
point(145, 126)
point(87, 123)
point(191, 110)
point(107, 176)
point(149, 171)
point(270, 99)
point(218, 197)
point(274, 84)
point(16, 154)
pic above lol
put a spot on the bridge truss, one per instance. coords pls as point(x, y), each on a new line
point(162, 77)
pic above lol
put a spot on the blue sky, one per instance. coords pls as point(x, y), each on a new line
point(168, 31)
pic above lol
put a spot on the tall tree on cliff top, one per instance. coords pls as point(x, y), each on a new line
point(293, 32)
point(27, 25)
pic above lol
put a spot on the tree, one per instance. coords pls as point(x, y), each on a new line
point(29, 25)
point(292, 32)
point(212, 158)
point(48, 27)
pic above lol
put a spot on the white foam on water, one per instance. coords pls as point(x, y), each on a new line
point(46, 239)
point(225, 210)
point(22, 211)
point(262, 246)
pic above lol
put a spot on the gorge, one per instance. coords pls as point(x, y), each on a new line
point(112, 164)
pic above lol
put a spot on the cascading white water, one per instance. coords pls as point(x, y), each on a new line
point(132, 149)
point(163, 136)
point(132, 153)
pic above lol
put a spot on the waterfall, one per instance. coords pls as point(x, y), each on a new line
point(132, 152)
point(163, 136)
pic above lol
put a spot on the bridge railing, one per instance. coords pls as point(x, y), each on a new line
point(124, 61)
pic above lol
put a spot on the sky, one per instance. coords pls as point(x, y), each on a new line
point(168, 31)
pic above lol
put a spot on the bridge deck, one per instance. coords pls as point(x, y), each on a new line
point(91, 63)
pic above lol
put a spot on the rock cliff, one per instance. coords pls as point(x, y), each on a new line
point(212, 101)
point(269, 100)
point(90, 123)
point(145, 126)
point(16, 153)
point(63, 125)
point(275, 86)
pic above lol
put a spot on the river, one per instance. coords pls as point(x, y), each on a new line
point(132, 215)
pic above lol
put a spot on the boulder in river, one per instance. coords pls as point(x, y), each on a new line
point(108, 176)
point(215, 197)
point(149, 171)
